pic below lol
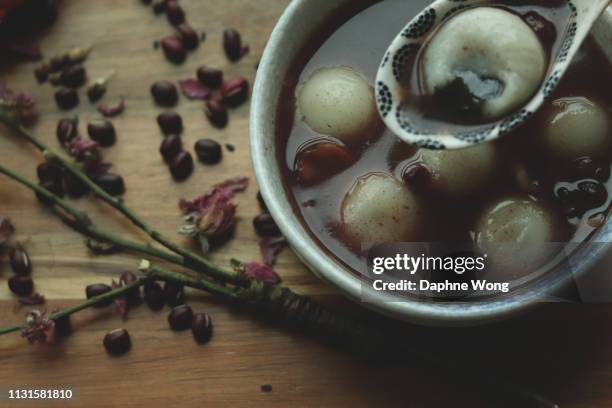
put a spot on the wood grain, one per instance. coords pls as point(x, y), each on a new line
point(562, 350)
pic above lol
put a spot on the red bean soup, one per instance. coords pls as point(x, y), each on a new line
point(355, 184)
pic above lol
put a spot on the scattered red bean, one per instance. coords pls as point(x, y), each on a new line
point(180, 318)
point(66, 98)
point(174, 12)
point(113, 184)
point(103, 132)
point(211, 77)
point(21, 285)
point(49, 171)
point(174, 294)
point(170, 147)
point(216, 113)
point(181, 166)
point(188, 36)
point(74, 186)
point(67, 129)
point(235, 91)
point(265, 226)
point(164, 93)
point(154, 295)
point(63, 326)
point(117, 342)
point(173, 49)
point(202, 327)
point(232, 44)
point(208, 151)
point(98, 289)
point(20, 261)
point(73, 76)
point(53, 187)
point(170, 123)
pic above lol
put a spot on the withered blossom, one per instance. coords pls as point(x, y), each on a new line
point(82, 149)
point(257, 271)
point(17, 106)
point(213, 214)
point(270, 248)
point(37, 327)
point(120, 302)
point(6, 229)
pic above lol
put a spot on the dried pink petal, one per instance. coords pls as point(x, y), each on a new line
point(270, 248)
point(6, 229)
point(37, 327)
point(261, 273)
point(19, 106)
point(120, 302)
point(194, 89)
point(83, 149)
point(212, 215)
point(112, 110)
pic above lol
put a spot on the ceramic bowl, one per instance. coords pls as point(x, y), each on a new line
point(299, 22)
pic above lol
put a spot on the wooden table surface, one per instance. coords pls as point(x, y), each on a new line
point(562, 350)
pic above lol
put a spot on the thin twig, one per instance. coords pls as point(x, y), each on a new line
point(198, 261)
point(111, 295)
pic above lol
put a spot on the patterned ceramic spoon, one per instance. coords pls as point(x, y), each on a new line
point(392, 97)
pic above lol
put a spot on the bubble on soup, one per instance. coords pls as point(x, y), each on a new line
point(339, 102)
point(490, 55)
point(576, 127)
point(517, 235)
point(460, 172)
point(380, 209)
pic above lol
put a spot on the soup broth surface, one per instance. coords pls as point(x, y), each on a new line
point(357, 37)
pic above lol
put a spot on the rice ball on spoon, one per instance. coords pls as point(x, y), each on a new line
point(380, 209)
point(493, 52)
point(339, 102)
